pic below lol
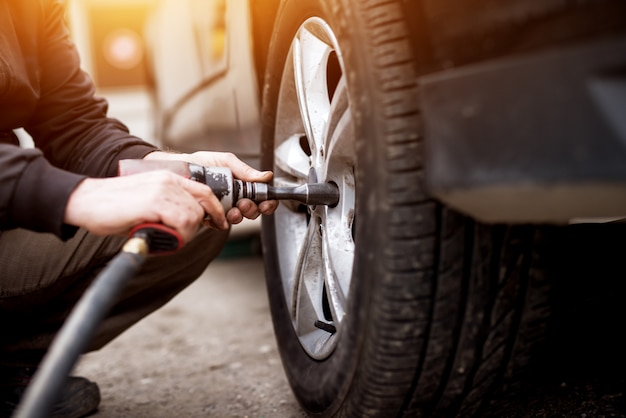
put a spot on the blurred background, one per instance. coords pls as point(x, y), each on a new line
point(178, 73)
point(109, 36)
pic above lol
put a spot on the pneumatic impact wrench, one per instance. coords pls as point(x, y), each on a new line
point(229, 190)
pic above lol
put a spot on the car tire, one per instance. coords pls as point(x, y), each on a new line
point(387, 303)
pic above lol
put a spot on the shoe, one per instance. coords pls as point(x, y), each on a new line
point(78, 398)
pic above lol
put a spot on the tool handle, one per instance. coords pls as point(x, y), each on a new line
point(136, 166)
point(219, 179)
point(161, 239)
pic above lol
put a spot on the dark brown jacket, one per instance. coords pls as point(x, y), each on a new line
point(43, 90)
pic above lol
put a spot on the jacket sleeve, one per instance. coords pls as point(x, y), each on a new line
point(70, 128)
point(34, 193)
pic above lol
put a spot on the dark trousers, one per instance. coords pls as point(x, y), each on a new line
point(42, 278)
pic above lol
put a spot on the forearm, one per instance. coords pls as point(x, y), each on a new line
point(33, 193)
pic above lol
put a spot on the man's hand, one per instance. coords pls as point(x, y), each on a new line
point(113, 206)
point(246, 208)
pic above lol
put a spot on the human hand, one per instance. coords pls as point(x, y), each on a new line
point(245, 208)
point(114, 205)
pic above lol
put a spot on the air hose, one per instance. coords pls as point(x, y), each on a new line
point(74, 336)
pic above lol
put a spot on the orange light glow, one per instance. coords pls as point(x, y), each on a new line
point(123, 48)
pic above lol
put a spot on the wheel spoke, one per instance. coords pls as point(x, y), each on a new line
point(340, 136)
point(335, 257)
point(339, 108)
point(310, 55)
point(291, 238)
point(307, 292)
point(338, 250)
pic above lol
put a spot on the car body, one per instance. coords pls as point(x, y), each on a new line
point(463, 136)
point(203, 76)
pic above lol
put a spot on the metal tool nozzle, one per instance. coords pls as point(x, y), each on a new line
point(310, 194)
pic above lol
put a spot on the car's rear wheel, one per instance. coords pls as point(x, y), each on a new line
point(388, 303)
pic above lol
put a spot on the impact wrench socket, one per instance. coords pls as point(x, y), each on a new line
point(229, 190)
